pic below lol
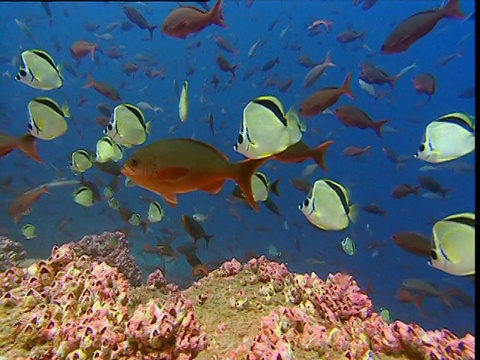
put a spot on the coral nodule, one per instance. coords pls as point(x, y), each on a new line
point(71, 307)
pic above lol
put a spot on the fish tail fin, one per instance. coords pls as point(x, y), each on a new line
point(445, 192)
point(242, 174)
point(353, 213)
point(274, 187)
point(233, 68)
point(217, 15)
point(318, 154)
point(150, 29)
point(346, 86)
point(446, 296)
point(452, 9)
point(417, 300)
point(27, 146)
point(207, 239)
point(92, 51)
point(362, 35)
point(328, 59)
point(392, 81)
point(90, 82)
point(377, 126)
point(66, 109)
point(144, 226)
point(416, 190)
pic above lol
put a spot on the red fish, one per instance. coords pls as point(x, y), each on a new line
point(352, 116)
point(405, 297)
point(130, 68)
point(25, 143)
point(425, 84)
point(103, 88)
point(225, 45)
point(414, 243)
point(404, 190)
point(22, 203)
point(224, 65)
point(186, 20)
point(81, 48)
point(137, 18)
point(175, 166)
point(300, 151)
point(417, 26)
point(321, 99)
point(356, 151)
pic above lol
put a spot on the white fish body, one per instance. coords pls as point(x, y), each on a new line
point(253, 48)
point(183, 103)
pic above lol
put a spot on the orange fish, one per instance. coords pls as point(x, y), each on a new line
point(405, 297)
point(81, 48)
point(174, 166)
point(186, 20)
point(103, 88)
point(355, 151)
point(300, 151)
point(417, 26)
point(350, 115)
point(25, 143)
point(322, 99)
point(22, 203)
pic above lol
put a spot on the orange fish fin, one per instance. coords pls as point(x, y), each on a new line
point(319, 152)
point(346, 86)
point(171, 174)
point(90, 82)
point(27, 146)
point(213, 188)
point(243, 177)
point(170, 199)
point(216, 14)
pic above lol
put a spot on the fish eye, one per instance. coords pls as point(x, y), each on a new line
point(305, 202)
point(110, 127)
point(433, 255)
point(240, 139)
point(133, 162)
point(421, 148)
point(182, 24)
point(22, 72)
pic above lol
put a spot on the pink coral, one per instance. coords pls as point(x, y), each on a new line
point(70, 307)
point(230, 268)
point(113, 249)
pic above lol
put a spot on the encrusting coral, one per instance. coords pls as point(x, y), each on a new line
point(71, 307)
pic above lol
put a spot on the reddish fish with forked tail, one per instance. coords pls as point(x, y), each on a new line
point(25, 143)
point(175, 166)
point(186, 20)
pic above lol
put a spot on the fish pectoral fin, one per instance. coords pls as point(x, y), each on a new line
point(213, 188)
point(170, 199)
point(171, 174)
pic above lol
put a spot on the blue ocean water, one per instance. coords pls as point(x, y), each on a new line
point(370, 178)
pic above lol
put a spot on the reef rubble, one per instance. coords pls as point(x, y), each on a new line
point(72, 307)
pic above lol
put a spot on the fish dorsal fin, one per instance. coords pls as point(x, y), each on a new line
point(137, 112)
point(340, 191)
point(46, 57)
point(170, 199)
point(209, 147)
point(171, 174)
point(465, 219)
point(271, 105)
point(49, 103)
point(459, 119)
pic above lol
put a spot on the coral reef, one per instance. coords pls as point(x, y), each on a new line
point(113, 249)
point(10, 253)
point(71, 307)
